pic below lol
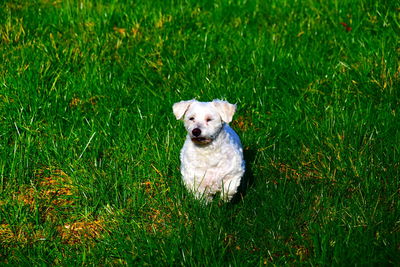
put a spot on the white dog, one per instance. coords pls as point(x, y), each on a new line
point(212, 156)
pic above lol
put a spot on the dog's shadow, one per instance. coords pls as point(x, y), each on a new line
point(248, 177)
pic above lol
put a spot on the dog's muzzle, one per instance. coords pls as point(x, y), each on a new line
point(198, 139)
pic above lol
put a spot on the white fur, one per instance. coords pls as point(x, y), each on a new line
point(211, 161)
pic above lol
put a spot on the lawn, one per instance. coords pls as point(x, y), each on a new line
point(89, 147)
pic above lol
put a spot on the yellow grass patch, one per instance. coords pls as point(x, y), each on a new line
point(52, 189)
point(136, 30)
point(6, 233)
point(243, 123)
point(75, 102)
point(162, 20)
point(75, 232)
point(19, 235)
point(305, 171)
point(52, 195)
point(85, 104)
point(159, 220)
point(121, 31)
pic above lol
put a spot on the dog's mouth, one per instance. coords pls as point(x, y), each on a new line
point(201, 140)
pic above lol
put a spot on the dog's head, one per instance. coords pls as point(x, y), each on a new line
point(204, 120)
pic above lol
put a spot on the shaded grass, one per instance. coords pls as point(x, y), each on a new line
point(86, 91)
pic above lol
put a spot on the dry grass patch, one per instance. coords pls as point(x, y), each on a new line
point(52, 194)
point(243, 123)
point(306, 171)
point(76, 232)
point(17, 235)
point(51, 191)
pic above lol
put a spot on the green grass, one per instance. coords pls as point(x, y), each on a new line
point(89, 147)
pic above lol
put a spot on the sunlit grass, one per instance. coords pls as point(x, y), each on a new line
point(89, 158)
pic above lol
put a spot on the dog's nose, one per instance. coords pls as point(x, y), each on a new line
point(196, 132)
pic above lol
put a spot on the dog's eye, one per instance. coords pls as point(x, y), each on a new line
point(191, 118)
point(208, 119)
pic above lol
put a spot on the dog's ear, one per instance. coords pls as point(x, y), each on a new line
point(225, 109)
point(180, 108)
